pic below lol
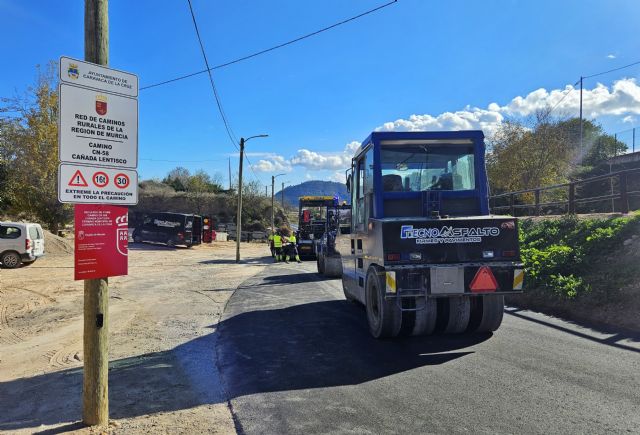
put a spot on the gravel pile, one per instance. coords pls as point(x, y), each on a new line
point(56, 246)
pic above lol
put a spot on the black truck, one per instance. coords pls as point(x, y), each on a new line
point(422, 252)
point(169, 228)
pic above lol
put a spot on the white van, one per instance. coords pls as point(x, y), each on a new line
point(20, 243)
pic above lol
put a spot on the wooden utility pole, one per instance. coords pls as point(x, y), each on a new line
point(95, 390)
point(239, 213)
point(273, 182)
point(581, 79)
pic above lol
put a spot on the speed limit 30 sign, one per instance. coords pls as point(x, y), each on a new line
point(81, 184)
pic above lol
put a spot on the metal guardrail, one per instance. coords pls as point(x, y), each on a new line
point(622, 196)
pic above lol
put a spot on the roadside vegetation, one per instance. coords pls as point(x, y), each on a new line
point(574, 263)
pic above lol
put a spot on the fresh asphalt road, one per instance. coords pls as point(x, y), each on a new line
point(296, 357)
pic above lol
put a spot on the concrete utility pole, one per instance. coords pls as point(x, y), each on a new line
point(229, 173)
point(239, 212)
point(95, 389)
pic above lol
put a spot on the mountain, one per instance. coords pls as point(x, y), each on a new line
point(313, 187)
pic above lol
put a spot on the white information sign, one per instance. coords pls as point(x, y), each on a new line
point(98, 77)
point(97, 128)
point(80, 184)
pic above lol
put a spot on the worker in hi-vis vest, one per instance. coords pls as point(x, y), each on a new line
point(277, 246)
point(292, 249)
point(270, 240)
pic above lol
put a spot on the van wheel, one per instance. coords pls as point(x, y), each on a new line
point(10, 260)
point(384, 316)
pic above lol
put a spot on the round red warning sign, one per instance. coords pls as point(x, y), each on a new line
point(121, 181)
point(100, 179)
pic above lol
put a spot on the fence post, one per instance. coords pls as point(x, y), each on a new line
point(572, 198)
point(537, 193)
point(512, 209)
point(624, 198)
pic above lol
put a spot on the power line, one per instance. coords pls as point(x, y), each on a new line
point(251, 167)
point(591, 76)
point(565, 96)
point(232, 137)
point(308, 35)
point(213, 85)
point(183, 161)
point(261, 52)
point(612, 70)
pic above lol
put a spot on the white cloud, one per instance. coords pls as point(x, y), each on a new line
point(316, 161)
point(338, 176)
point(629, 119)
point(273, 164)
point(474, 118)
point(310, 160)
point(621, 99)
point(611, 56)
point(351, 147)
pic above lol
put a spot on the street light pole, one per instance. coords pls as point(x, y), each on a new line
point(282, 195)
point(273, 182)
point(239, 212)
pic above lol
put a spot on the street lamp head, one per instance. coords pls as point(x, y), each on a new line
point(259, 135)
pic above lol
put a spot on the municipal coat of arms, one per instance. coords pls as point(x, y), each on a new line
point(72, 71)
point(101, 104)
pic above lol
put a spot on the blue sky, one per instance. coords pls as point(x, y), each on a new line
point(429, 64)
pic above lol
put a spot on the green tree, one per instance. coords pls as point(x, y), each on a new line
point(29, 139)
point(524, 155)
point(178, 178)
point(543, 151)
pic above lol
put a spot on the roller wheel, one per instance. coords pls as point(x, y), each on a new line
point(384, 316)
point(320, 263)
point(332, 266)
point(486, 313)
point(348, 296)
point(420, 322)
point(459, 312)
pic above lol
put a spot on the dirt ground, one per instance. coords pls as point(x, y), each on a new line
point(163, 319)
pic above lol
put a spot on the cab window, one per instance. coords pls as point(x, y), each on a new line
point(9, 232)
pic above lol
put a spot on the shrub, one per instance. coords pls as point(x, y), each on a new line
point(560, 253)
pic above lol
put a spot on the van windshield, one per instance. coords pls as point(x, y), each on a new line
point(416, 168)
